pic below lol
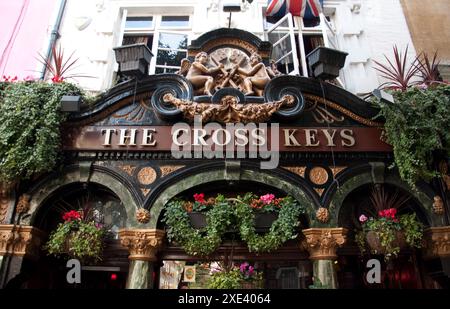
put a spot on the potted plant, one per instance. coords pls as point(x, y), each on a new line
point(242, 214)
point(79, 237)
point(417, 124)
point(286, 212)
point(196, 238)
point(243, 276)
point(388, 233)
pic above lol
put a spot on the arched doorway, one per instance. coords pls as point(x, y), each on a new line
point(406, 271)
point(107, 210)
point(287, 267)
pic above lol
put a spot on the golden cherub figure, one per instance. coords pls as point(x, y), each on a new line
point(198, 74)
point(257, 77)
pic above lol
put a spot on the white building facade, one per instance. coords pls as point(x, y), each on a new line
point(365, 29)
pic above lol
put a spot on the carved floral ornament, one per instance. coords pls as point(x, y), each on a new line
point(437, 242)
point(142, 244)
point(229, 110)
point(323, 243)
point(20, 240)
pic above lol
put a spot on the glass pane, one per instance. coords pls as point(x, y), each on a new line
point(160, 70)
point(139, 22)
point(170, 57)
point(282, 48)
point(274, 37)
point(175, 21)
point(172, 41)
point(286, 65)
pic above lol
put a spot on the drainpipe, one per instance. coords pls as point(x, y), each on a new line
point(54, 34)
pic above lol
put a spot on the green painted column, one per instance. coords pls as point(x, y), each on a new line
point(143, 246)
point(323, 271)
point(140, 275)
point(322, 244)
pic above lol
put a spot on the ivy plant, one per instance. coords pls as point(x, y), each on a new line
point(30, 121)
point(282, 229)
point(200, 242)
point(417, 125)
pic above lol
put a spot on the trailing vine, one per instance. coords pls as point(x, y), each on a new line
point(236, 213)
point(30, 120)
point(282, 229)
point(417, 125)
point(198, 242)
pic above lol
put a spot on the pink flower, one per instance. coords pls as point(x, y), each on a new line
point(267, 199)
point(243, 267)
point(251, 269)
point(362, 218)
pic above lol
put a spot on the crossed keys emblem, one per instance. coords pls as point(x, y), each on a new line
point(229, 74)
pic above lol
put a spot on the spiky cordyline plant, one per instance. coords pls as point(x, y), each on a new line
point(399, 76)
point(59, 66)
point(382, 200)
point(428, 69)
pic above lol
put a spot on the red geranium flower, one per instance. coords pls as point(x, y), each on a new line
point(71, 215)
point(200, 198)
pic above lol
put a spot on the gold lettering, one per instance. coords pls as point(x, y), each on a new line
point(289, 138)
point(108, 136)
point(124, 137)
point(311, 138)
point(147, 137)
point(347, 138)
point(330, 138)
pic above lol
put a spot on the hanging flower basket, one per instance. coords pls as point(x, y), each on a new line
point(76, 238)
point(263, 221)
point(197, 219)
point(376, 247)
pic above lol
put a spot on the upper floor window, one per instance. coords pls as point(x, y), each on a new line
point(165, 35)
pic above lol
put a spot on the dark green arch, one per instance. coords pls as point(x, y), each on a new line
point(99, 175)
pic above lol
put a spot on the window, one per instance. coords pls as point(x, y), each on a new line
point(289, 51)
point(165, 36)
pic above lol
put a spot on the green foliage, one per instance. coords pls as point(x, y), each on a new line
point(412, 229)
point(30, 121)
point(235, 278)
point(387, 230)
point(283, 229)
point(198, 242)
point(77, 239)
point(225, 280)
point(230, 213)
point(417, 124)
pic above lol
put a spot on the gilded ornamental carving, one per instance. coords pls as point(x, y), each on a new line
point(23, 205)
point(5, 190)
point(20, 240)
point(323, 243)
point(142, 244)
point(438, 205)
point(323, 215)
point(229, 110)
point(437, 242)
point(142, 215)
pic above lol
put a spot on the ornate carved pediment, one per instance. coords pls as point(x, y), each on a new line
point(229, 110)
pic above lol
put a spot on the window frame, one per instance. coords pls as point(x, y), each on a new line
point(156, 31)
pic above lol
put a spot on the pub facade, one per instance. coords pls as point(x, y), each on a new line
point(227, 122)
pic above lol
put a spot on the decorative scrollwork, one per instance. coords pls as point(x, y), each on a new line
point(281, 86)
point(229, 110)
